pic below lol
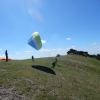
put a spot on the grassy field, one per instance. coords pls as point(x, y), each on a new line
point(74, 78)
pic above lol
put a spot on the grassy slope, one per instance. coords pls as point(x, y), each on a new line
point(77, 78)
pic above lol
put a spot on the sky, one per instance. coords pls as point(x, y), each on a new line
point(62, 24)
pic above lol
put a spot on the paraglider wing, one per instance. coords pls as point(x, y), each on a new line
point(5, 58)
point(35, 41)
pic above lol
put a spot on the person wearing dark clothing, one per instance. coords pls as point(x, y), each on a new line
point(6, 54)
point(54, 63)
point(32, 58)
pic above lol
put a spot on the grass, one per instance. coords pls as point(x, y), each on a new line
point(74, 78)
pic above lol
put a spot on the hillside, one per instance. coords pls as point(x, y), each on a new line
point(74, 78)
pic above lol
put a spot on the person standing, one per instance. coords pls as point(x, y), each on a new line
point(32, 58)
point(6, 54)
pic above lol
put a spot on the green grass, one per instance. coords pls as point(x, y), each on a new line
point(77, 78)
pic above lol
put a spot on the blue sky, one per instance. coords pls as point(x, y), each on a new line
point(62, 24)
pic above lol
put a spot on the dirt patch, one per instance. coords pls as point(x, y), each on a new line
point(3, 70)
point(10, 94)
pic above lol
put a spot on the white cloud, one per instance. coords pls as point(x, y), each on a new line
point(29, 11)
point(17, 53)
point(35, 14)
point(34, 10)
point(59, 49)
point(73, 47)
point(32, 50)
point(27, 51)
point(68, 48)
point(68, 38)
point(53, 49)
point(94, 43)
point(45, 50)
point(43, 41)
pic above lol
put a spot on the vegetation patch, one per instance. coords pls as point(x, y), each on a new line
point(74, 77)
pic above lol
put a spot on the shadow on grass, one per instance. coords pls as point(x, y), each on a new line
point(43, 68)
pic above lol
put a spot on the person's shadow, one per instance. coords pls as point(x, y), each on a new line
point(44, 68)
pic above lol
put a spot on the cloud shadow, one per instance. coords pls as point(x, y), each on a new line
point(44, 68)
